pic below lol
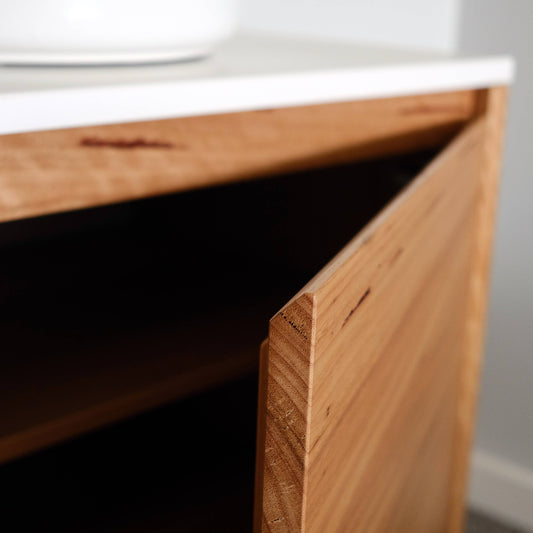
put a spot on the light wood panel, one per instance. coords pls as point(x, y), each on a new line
point(47, 172)
point(365, 366)
point(493, 108)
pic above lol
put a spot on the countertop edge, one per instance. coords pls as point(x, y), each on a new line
point(90, 106)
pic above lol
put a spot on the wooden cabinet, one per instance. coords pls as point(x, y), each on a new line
point(368, 378)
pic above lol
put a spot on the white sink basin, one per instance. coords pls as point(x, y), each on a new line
point(111, 31)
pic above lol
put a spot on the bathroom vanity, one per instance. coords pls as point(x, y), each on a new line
point(290, 240)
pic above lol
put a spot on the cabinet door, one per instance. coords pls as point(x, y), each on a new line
point(368, 377)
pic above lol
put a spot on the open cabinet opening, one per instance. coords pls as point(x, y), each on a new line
point(110, 313)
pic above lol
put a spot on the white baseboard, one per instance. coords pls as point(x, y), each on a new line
point(502, 489)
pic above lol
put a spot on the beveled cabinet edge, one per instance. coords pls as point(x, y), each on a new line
point(284, 405)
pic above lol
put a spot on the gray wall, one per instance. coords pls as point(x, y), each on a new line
point(505, 423)
point(428, 24)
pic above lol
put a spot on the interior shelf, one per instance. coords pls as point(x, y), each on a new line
point(187, 467)
point(49, 399)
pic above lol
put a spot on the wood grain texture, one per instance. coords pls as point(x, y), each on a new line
point(52, 171)
point(493, 108)
point(365, 366)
